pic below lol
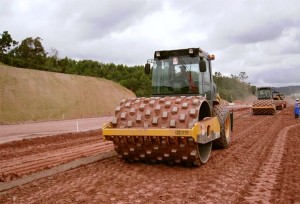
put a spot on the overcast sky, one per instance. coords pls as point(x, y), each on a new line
point(259, 37)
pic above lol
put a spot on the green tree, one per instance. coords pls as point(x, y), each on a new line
point(52, 61)
point(32, 52)
point(6, 42)
point(67, 65)
point(88, 68)
point(243, 76)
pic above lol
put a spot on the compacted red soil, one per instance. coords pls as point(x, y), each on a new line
point(262, 165)
point(19, 158)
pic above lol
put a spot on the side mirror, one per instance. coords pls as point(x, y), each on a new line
point(147, 68)
point(202, 66)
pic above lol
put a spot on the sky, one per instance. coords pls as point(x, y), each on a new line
point(259, 37)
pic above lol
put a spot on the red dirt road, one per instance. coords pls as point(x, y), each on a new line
point(10, 133)
point(261, 166)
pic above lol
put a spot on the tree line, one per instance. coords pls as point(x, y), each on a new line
point(31, 54)
point(234, 87)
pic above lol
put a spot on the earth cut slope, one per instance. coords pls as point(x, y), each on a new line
point(28, 95)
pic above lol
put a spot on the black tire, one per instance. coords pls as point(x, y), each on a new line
point(223, 115)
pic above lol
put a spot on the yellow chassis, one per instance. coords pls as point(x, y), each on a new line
point(202, 132)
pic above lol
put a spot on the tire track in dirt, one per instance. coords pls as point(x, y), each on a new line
point(261, 188)
point(55, 170)
point(287, 188)
point(241, 167)
point(43, 153)
point(240, 120)
point(6, 164)
point(35, 146)
point(32, 158)
point(245, 164)
point(34, 164)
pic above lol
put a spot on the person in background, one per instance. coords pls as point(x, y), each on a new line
point(297, 108)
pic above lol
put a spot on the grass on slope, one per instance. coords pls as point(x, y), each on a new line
point(31, 95)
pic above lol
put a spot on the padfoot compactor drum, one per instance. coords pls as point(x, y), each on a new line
point(182, 120)
point(264, 105)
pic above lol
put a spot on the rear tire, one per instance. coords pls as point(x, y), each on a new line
point(223, 115)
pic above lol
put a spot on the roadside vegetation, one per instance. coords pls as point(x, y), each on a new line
point(233, 88)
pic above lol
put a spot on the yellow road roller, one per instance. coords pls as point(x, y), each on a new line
point(181, 121)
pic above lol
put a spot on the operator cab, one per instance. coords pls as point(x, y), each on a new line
point(264, 93)
point(181, 72)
